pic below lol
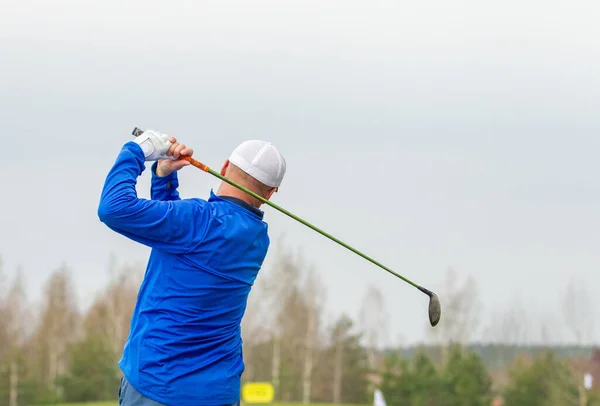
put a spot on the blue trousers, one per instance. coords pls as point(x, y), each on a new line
point(129, 396)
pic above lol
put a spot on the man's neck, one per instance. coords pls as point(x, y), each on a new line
point(228, 190)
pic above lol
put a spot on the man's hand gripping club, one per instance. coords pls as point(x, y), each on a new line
point(164, 149)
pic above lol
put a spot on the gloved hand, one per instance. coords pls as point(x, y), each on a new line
point(154, 144)
point(177, 152)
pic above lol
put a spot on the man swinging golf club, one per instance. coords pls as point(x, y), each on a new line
point(184, 346)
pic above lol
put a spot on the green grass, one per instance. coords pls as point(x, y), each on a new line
point(89, 404)
point(272, 404)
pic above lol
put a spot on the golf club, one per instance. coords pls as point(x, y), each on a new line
point(435, 309)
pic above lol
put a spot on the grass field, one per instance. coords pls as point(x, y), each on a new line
point(271, 404)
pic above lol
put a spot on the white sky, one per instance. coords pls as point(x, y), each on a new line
point(429, 135)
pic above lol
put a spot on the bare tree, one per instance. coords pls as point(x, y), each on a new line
point(3, 314)
point(288, 317)
point(15, 319)
point(110, 314)
point(282, 288)
point(337, 372)
point(314, 294)
point(579, 311)
point(509, 326)
point(373, 321)
point(462, 310)
point(548, 334)
point(276, 362)
point(580, 314)
point(273, 314)
point(58, 328)
point(340, 332)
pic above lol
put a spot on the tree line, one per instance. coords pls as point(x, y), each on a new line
point(56, 352)
point(464, 380)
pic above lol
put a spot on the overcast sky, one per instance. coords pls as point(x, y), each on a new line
point(430, 135)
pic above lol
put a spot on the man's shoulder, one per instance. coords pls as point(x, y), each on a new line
point(228, 208)
point(219, 209)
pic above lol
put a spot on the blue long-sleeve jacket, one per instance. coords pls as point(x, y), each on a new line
point(185, 346)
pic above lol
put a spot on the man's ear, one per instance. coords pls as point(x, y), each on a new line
point(270, 193)
point(225, 166)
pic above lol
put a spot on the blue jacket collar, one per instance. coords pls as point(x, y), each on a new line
point(239, 202)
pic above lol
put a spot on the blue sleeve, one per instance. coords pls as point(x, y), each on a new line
point(164, 188)
point(173, 226)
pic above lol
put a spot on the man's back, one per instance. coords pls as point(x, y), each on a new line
point(185, 345)
point(185, 342)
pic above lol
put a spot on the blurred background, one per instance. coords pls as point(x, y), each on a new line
point(453, 141)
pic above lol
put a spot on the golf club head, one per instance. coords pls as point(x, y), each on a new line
point(137, 132)
point(435, 307)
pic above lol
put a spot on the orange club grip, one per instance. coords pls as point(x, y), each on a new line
point(196, 163)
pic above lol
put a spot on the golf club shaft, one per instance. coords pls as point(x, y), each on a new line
point(205, 168)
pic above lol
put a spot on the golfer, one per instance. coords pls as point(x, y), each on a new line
point(184, 345)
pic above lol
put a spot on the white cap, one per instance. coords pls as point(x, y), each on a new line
point(261, 160)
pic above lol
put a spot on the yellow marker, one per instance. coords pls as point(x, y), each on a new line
point(258, 392)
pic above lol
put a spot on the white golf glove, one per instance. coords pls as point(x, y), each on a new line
point(154, 144)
